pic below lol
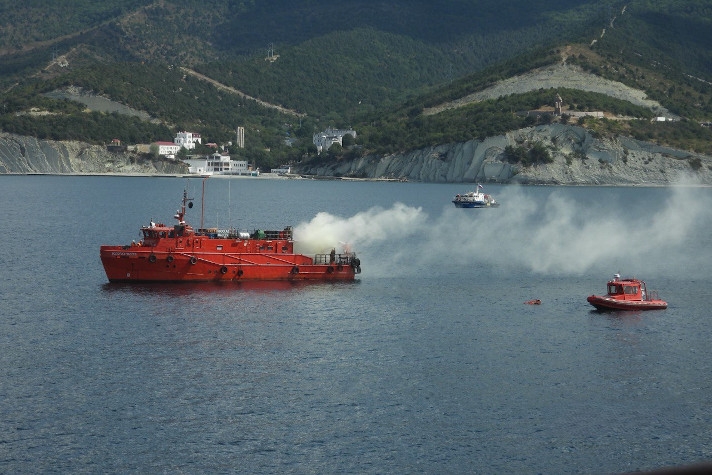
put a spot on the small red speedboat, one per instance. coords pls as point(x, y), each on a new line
point(627, 294)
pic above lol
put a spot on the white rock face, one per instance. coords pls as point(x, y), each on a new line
point(579, 159)
point(21, 155)
point(556, 76)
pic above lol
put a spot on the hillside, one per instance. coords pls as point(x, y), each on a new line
point(27, 155)
point(597, 153)
point(574, 156)
point(555, 77)
point(406, 75)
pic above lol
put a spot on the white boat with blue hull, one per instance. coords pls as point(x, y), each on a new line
point(475, 199)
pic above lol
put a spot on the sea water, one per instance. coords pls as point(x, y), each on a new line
point(431, 362)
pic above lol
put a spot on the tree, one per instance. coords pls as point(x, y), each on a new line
point(540, 154)
point(348, 140)
point(516, 154)
point(335, 150)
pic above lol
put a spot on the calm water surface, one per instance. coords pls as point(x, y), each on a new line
point(429, 363)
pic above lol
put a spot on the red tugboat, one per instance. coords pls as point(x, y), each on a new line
point(627, 294)
point(179, 253)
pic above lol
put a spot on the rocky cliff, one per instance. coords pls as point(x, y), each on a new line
point(579, 158)
point(19, 154)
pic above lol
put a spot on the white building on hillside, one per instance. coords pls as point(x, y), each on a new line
point(218, 164)
point(167, 149)
point(324, 140)
point(282, 170)
point(187, 140)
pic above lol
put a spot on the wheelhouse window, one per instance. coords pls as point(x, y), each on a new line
point(614, 289)
point(630, 289)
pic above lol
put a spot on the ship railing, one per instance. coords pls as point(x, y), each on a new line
point(285, 233)
point(232, 233)
point(216, 232)
point(343, 259)
point(652, 295)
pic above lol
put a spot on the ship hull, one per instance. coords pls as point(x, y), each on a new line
point(136, 264)
point(606, 303)
point(460, 204)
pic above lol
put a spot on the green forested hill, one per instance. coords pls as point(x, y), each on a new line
point(370, 65)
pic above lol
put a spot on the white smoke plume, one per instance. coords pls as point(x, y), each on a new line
point(361, 231)
point(557, 236)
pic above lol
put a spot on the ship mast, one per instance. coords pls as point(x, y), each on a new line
point(180, 214)
point(202, 204)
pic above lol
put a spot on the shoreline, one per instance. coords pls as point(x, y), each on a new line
point(267, 176)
